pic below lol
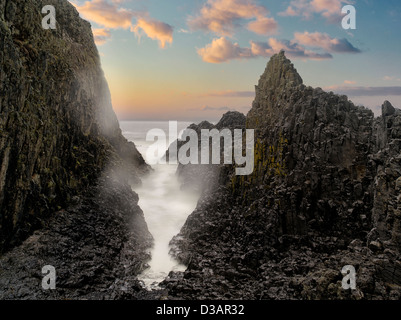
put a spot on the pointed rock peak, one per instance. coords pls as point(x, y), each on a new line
point(387, 109)
point(280, 73)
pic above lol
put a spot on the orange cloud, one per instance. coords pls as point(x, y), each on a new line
point(291, 48)
point(222, 16)
point(324, 41)
point(101, 36)
point(110, 16)
point(106, 14)
point(329, 9)
point(263, 26)
point(222, 50)
point(155, 30)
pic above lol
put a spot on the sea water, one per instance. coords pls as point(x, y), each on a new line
point(165, 205)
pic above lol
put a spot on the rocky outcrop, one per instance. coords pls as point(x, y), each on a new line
point(386, 212)
point(97, 246)
point(205, 177)
point(231, 120)
point(324, 194)
point(58, 130)
point(66, 171)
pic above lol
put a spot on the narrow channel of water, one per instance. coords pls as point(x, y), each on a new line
point(165, 205)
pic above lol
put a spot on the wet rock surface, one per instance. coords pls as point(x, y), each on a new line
point(324, 194)
point(58, 130)
point(96, 246)
point(65, 169)
point(325, 191)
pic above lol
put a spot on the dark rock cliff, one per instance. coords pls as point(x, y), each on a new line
point(66, 171)
point(58, 130)
point(325, 193)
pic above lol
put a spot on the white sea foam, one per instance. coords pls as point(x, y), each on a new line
point(165, 206)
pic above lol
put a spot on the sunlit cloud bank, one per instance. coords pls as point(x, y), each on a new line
point(222, 49)
point(155, 30)
point(101, 35)
point(111, 16)
point(307, 9)
point(325, 42)
point(224, 16)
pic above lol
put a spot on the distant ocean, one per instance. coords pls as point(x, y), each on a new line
point(136, 131)
point(165, 206)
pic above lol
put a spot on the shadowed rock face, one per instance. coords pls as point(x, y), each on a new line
point(324, 157)
point(312, 149)
point(58, 130)
point(325, 193)
point(65, 168)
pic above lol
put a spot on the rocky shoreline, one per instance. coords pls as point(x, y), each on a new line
point(97, 247)
point(65, 168)
point(325, 193)
point(227, 259)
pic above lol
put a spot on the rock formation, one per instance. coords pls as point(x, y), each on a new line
point(325, 193)
point(205, 176)
point(65, 168)
point(58, 129)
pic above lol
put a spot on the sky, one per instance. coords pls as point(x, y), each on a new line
point(194, 60)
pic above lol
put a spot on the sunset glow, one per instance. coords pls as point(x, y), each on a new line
point(166, 60)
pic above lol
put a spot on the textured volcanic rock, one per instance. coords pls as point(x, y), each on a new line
point(325, 193)
point(231, 120)
point(65, 169)
point(58, 130)
point(205, 177)
point(97, 247)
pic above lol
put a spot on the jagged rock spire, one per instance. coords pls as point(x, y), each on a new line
point(275, 86)
point(279, 74)
point(387, 109)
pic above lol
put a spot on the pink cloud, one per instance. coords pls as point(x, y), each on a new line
point(111, 16)
point(324, 41)
point(223, 16)
point(101, 36)
point(291, 48)
point(222, 50)
point(263, 26)
point(300, 47)
point(329, 9)
point(155, 30)
point(106, 14)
